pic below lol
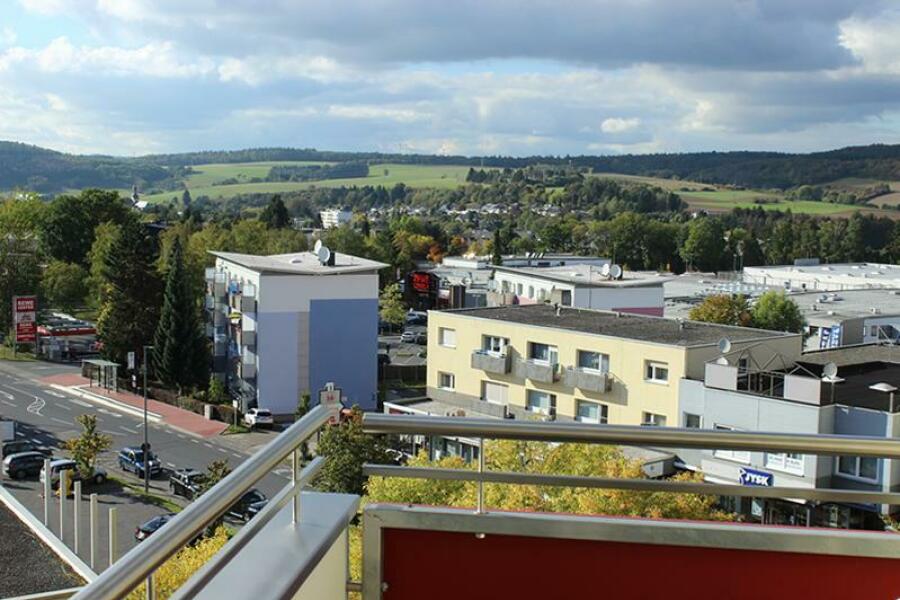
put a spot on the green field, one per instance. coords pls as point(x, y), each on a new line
point(388, 175)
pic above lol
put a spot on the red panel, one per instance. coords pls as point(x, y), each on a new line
point(653, 311)
point(457, 566)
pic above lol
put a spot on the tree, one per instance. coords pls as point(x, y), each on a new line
point(175, 572)
point(391, 306)
point(67, 228)
point(497, 248)
point(346, 448)
point(275, 215)
point(20, 272)
point(302, 408)
point(180, 352)
point(723, 309)
point(129, 310)
point(65, 285)
point(104, 237)
point(215, 391)
point(216, 471)
point(186, 199)
point(704, 245)
point(86, 447)
point(776, 312)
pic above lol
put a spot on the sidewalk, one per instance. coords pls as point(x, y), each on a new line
point(178, 418)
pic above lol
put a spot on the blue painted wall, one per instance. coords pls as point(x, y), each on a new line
point(343, 348)
point(278, 360)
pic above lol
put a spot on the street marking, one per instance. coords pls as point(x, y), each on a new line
point(170, 465)
point(222, 450)
point(60, 421)
point(195, 441)
point(35, 440)
point(8, 403)
point(210, 446)
point(122, 427)
point(7, 395)
point(180, 436)
point(54, 394)
point(62, 406)
point(80, 403)
point(36, 406)
point(236, 455)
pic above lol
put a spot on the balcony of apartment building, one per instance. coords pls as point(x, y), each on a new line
point(247, 364)
point(494, 356)
point(541, 363)
point(298, 545)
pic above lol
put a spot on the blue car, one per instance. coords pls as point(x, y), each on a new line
point(131, 458)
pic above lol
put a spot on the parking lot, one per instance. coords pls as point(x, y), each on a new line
point(403, 353)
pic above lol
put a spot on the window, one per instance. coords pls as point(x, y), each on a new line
point(789, 462)
point(446, 381)
point(858, 467)
point(653, 420)
point(494, 344)
point(541, 402)
point(531, 291)
point(591, 412)
point(692, 421)
point(656, 371)
point(738, 455)
point(543, 353)
point(504, 286)
point(447, 337)
point(566, 298)
point(593, 361)
point(495, 393)
point(518, 289)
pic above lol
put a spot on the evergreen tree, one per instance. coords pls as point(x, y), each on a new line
point(186, 199)
point(497, 255)
point(129, 307)
point(179, 346)
point(275, 215)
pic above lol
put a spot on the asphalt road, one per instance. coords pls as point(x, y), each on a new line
point(47, 416)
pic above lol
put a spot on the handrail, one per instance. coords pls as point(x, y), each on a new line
point(835, 445)
point(133, 568)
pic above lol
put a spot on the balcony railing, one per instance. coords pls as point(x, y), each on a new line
point(536, 370)
point(491, 362)
point(587, 380)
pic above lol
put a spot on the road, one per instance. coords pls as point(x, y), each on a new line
point(47, 417)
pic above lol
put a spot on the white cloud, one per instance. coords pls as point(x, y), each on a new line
point(8, 36)
point(618, 125)
point(874, 40)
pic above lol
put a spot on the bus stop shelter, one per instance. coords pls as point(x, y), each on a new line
point(104, 372)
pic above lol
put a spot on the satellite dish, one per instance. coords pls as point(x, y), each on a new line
point(605, 270)
point(724, 345)
point(830, 370)
point(721, 361)
point(324, 254)
point(317, 247)
point(615, 271)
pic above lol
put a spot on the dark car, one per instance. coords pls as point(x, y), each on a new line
point(384, 359)
point(248, 506)
point(23, 464)
point(150, 527)
point(186, 482)
point(19, 446)
point(131, 458)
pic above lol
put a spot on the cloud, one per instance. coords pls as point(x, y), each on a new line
point(617, 125)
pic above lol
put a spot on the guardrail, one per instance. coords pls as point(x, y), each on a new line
point(140, 563)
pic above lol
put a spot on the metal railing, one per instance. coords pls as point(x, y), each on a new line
point(667, 437)
point(139, 564)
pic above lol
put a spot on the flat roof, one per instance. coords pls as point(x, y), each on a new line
point(853, 355)
point(622, 325)
point(849, 304)
point(859, 274)
point(300, 263)
point(853, 386)
point(587, 276)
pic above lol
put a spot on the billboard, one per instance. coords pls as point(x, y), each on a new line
point(25, 318)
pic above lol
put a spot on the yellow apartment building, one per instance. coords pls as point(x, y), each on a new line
point(589, 365)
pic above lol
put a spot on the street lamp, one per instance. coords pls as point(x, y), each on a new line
point(146, 444)
point(885, 388)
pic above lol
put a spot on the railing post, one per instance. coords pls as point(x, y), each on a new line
point(480, 507)
point(77, 510)
point(113, 542)
point(295, 481)
point(63, 488)
point(93, 527)
point(47, 490)
point(151, 591)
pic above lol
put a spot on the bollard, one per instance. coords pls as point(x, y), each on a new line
point(113, 542)
point(77, 502)
point(63, 488)
point(94, 525)
point(47, 492)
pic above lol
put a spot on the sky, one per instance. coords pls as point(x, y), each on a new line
point(513, 77)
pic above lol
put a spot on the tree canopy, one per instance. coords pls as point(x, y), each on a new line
point(775, 311)
point(723, 309)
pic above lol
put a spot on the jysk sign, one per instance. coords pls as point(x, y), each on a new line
point(25, 318)
point(755, 478)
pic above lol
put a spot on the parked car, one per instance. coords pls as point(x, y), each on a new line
point(412, 336)
point(19, 446)
point(416, 318)
point(142, 532)
point(259, 417)
point(248, 506)
point(131, 458)
point(67, 464)
point(186, 482)
point(22, 464)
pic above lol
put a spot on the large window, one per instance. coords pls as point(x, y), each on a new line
point(446, 381)
point(656, 371)
point(592, 412)
point(495, 393)
point(447, 337)
point(858, 467)
point(692, 421)
point(494, 344)
point(649, 419)
point(543, 353)
point(541, 402)
point(789, 462)
point(593, 361)
point(738, 455)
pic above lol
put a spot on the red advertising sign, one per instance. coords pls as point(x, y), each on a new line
point(25, 318)
point(421, 281)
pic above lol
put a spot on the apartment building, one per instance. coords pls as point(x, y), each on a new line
point(569, 363)
point(287, 324)
point(333, 217)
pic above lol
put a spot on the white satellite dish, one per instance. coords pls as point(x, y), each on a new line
point(324, 254)
point(724, 345)
point(830, 370)
point(317, 247)
point(605, 270)
point(615, 271)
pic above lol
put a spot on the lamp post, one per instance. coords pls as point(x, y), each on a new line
point(146, 445)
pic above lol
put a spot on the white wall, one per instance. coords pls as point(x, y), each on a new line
point(612, 298)
point(292, 293)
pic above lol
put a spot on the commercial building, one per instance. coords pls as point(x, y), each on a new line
point(852, 396)
point(333, 217)
point(828, 278)
point(287, 324)
point(581, 286)
point(569, 363)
